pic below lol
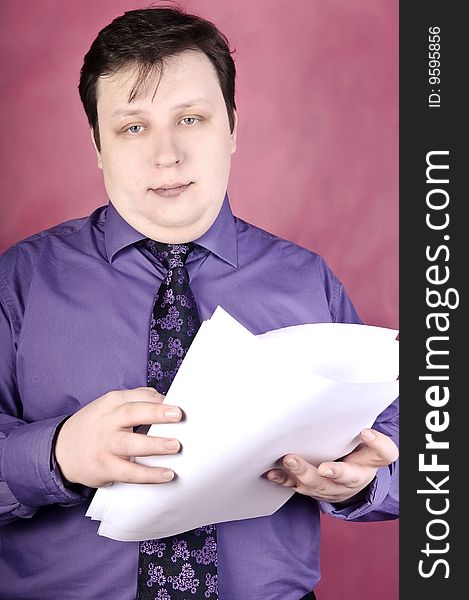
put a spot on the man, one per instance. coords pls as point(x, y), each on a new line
point(88, 353)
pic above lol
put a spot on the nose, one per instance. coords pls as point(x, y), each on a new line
point(166, 152)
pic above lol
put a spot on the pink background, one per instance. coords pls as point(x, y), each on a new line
point(317, 162)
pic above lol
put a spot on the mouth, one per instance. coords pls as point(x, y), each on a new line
point(171, 190)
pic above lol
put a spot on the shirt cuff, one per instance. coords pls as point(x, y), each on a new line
point(29, 467)
point(377, 492)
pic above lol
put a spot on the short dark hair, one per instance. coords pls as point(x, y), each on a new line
point(144, 38)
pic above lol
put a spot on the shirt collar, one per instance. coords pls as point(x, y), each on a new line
point(219, 239)
point(118, 233)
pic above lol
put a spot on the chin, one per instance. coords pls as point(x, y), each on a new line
point(176, 232)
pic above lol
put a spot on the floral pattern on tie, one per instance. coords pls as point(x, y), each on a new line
point(174, 319)
point(169, 573)
point(185, 566)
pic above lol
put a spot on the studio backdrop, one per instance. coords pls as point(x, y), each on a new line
point(317, 163)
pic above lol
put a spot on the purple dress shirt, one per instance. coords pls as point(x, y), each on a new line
point(75, 306)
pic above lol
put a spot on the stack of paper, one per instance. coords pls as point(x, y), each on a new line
point(248, 400)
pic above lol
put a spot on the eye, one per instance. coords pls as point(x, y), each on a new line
point(134, 129)
point(189, 120)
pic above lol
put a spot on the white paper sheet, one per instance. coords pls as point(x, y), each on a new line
point(249, 400)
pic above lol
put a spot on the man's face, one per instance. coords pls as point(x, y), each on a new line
point(166, 159)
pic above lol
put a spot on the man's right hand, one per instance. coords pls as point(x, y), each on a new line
point(94, 446)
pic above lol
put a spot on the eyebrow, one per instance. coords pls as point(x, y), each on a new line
point(192, 103)
point(131, 112)
point(128, 112)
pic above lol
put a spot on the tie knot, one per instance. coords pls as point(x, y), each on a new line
point(170, 255)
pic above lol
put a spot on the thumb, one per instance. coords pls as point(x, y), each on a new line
point(376, 450)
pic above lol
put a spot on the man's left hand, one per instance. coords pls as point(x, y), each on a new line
point(339, 480)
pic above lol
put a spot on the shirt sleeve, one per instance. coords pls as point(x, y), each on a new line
point(380, 500)
point(29, 476)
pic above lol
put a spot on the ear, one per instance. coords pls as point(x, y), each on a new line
point(233, 134)
point(98, 153)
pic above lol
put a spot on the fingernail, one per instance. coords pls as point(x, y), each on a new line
point(173, 413)
point(171, 444)
point(329, 473)
point(167, 475)
point(368, 434)
point(292, 463)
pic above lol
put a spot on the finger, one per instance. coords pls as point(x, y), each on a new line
point(130, 472)
point(136, 444)
point(145, 394)
point(140, 394)
point(282, 478)
point(349, 474)
point(146, 413)
point(305, 473)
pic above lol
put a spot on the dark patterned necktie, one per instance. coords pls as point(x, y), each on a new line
point(182, 567)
